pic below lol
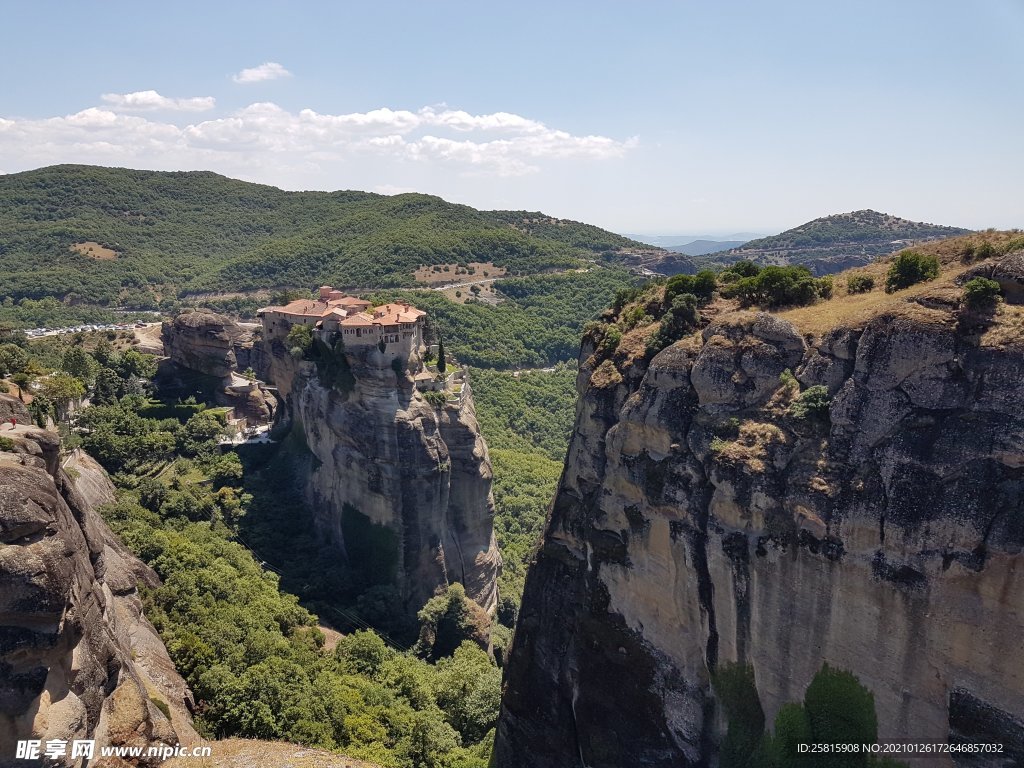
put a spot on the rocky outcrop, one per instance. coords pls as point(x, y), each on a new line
point(1008, 271)
point(383, 455)
point(203, 341)
point(701, 520)
point(77, 658)
point(216, 347)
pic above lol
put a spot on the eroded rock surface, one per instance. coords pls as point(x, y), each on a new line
point(77, 658)
point(699, 522)
point(382, 451)
point(203, 341)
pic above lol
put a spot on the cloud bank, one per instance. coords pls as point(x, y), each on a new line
point(270, 70)
point(306, 143)
point(148, 101)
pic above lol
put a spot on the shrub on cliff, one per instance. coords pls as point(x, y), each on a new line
point(840, 709)
point(779, 286)
point(679, 320)
point(859, 283)
point(299, 341)
point(910, 268)
point(981, 294)
point(701, 286)
point(812, 403)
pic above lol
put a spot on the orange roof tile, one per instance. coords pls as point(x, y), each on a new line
point(359, 319)
point(303, 307)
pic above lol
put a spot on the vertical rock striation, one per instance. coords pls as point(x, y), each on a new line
point(699, 521)
point(383, 453)
point(77, 658)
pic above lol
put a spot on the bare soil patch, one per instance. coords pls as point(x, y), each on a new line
point(94, 250)
point(453, 273)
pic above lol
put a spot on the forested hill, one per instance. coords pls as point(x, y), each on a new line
point(114, 235)
point(834, 243)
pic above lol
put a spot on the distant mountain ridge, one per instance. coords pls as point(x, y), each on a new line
point(834, 243)
point(110, 236)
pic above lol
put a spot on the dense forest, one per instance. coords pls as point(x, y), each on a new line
point(538, 324)
point(526, 418)
point(137, 238)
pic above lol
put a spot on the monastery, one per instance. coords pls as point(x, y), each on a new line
point(399, 327)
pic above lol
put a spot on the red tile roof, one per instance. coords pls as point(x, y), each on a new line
point(304, 308)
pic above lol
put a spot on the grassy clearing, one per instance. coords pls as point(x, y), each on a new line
point(94, 250)
point(855, 310)
point(456, 273)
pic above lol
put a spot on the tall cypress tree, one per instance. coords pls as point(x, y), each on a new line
point(442, 365)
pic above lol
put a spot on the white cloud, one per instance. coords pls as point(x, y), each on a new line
point(148, 101)
point(270, 70)
point(265, 141)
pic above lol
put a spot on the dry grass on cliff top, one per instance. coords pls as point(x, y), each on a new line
point(855, 310)
point(247, 753)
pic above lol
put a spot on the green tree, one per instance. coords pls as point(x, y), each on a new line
point(13, 359)
point(841, 711)
point(430, 741)
point(442, 358)
point(981, 294)
point(680, 319)
point(104, 352)
point(363, 653)
point(135, 365)
point(909, 268)
point(859, 283)
point(448, 619)
point(108, 387)
point(467, 688)
point(62, 389)
point(701, 286)
point(812, 403)
point(735, 688)
point(299, 340)
point(200, 434)
point(226, 470)
point(79, 364)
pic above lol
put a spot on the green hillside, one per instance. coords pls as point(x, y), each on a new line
point(834, 243)
point(117, 236)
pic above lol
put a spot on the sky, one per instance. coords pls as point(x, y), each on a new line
point(647, 117)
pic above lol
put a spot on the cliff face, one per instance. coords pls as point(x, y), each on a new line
point(215, 346)
point(203, 341)
point(385, 454)
point(699, 521)
point(77, 658)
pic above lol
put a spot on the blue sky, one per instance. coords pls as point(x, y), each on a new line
point(653, 117)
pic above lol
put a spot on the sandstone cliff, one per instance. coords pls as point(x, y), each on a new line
point(203, 341)
point(216, 347)
point(383, 453)
point(699, 521)
point(77, 658)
